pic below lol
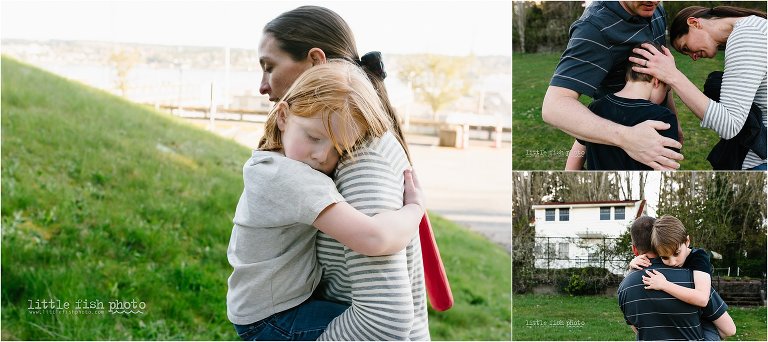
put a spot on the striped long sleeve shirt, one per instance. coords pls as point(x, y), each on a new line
point(744, 82)
point(386, 294)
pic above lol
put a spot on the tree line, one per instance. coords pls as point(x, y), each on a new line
point(542, 26)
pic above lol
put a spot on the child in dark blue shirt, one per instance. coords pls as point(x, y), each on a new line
point(637, 102)
point(672, 244)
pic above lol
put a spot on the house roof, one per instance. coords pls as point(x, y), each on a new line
point(589, 202)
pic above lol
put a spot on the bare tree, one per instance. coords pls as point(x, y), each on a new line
point(518, 20)
point(437, 80)
point(123, 61)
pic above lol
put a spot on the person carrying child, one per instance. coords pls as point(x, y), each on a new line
point(671, 243)
point(387, 295)
point(641, 99)
point(329, 111)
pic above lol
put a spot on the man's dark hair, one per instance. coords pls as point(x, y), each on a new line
point(641, 233)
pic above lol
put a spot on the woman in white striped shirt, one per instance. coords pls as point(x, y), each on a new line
point(698, 32)
point(386, 294)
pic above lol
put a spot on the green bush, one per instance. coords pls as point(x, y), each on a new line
point(576, 285)
point(751, 267)
point(578, 281)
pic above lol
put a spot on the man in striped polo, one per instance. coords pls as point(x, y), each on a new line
point(593, 64)
point(656, 315)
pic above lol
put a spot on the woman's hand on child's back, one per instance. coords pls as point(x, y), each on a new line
point(639, 262)
point(413, 194)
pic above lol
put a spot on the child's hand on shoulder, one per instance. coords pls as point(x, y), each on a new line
point(639, 262)
point(654, 280)
point(413, 194)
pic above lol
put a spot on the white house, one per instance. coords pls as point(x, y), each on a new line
point(570, 234)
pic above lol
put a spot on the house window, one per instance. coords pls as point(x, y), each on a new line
point(605, 213)
point(564, 214)
point(551, 250)
point(550, 214)
point(593, 258)
point(562, 250)
point(618, 213)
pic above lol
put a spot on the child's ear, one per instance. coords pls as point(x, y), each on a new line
point(687, 240)
point(655, 82)
point(316, 56)
point(281, 110)
point(634, 250)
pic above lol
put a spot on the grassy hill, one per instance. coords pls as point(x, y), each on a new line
point(539, 146)
point(104, 200)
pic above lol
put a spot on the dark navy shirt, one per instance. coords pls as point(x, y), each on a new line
point(660, 316)
point(599, 44)
point(698, 260)
point(627, 112)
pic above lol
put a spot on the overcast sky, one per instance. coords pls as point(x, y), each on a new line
point(441, 27)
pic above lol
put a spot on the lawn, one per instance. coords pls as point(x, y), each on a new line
point(105, 201)
point(531, 74)
point(564, 318)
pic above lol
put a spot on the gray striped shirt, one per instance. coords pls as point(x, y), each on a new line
point(599, 45)
point(744, 82)
point(386, 294)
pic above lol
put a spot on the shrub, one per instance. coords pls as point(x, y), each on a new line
point(578, 281)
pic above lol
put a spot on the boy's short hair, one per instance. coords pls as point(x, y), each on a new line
point(632, 75)
point(640, 231)
point(668, 233)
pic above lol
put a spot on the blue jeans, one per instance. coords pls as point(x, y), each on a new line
point(305, 322)
point(761, 167)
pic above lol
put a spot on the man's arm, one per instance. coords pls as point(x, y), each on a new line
point(562, 109)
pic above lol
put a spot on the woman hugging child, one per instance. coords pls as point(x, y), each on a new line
point(330, 110)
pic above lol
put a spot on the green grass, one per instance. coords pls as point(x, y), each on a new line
point(531, 74)
point(535, 317)
point(106, 200)
point(480, 279)
point(750, 323)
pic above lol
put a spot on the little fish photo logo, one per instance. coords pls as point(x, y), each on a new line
point(132, 307)
point(85, 307)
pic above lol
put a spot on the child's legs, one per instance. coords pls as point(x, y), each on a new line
point(313, 316)
point(307, 321)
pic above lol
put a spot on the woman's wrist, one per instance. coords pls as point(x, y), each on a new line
point(675, 80)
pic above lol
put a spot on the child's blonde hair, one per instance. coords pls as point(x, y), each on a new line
point(668, 233)
point(336, 88)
